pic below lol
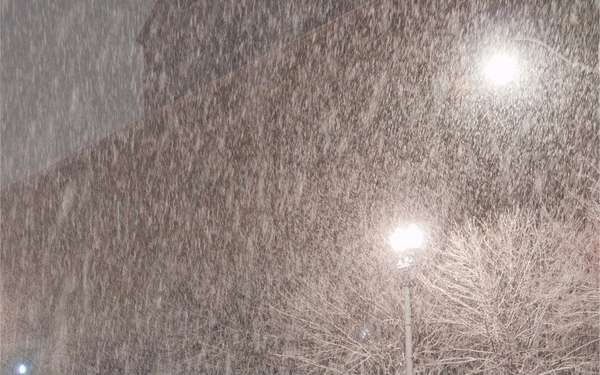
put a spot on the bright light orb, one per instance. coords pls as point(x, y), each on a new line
point(21, 369)
point(501, 69)
point(407, 238)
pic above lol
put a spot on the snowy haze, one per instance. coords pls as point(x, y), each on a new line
point(71, 75)
point(244, 227)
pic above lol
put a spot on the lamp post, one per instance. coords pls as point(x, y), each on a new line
point(403, 240)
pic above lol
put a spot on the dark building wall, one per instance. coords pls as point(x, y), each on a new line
point(140, 253)
point(188, 44)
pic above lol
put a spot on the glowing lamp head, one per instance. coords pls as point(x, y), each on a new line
point(501, 69)
point(21, 368)
point(407, 238)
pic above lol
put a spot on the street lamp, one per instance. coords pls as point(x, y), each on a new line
point(501, 69)
point(403, 240)
point(21, 368)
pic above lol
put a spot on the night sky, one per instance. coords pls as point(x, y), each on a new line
point(71, 75)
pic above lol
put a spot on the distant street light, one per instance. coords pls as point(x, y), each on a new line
point(501, 69)
point(403, 240)
point(21, 368)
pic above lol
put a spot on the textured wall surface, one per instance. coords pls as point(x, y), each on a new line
point(188, 44)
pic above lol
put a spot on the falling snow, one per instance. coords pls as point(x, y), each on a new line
point(242, 223)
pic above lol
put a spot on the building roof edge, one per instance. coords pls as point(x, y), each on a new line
point(143, 34)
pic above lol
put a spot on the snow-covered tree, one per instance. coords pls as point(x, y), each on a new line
point(513, 297)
